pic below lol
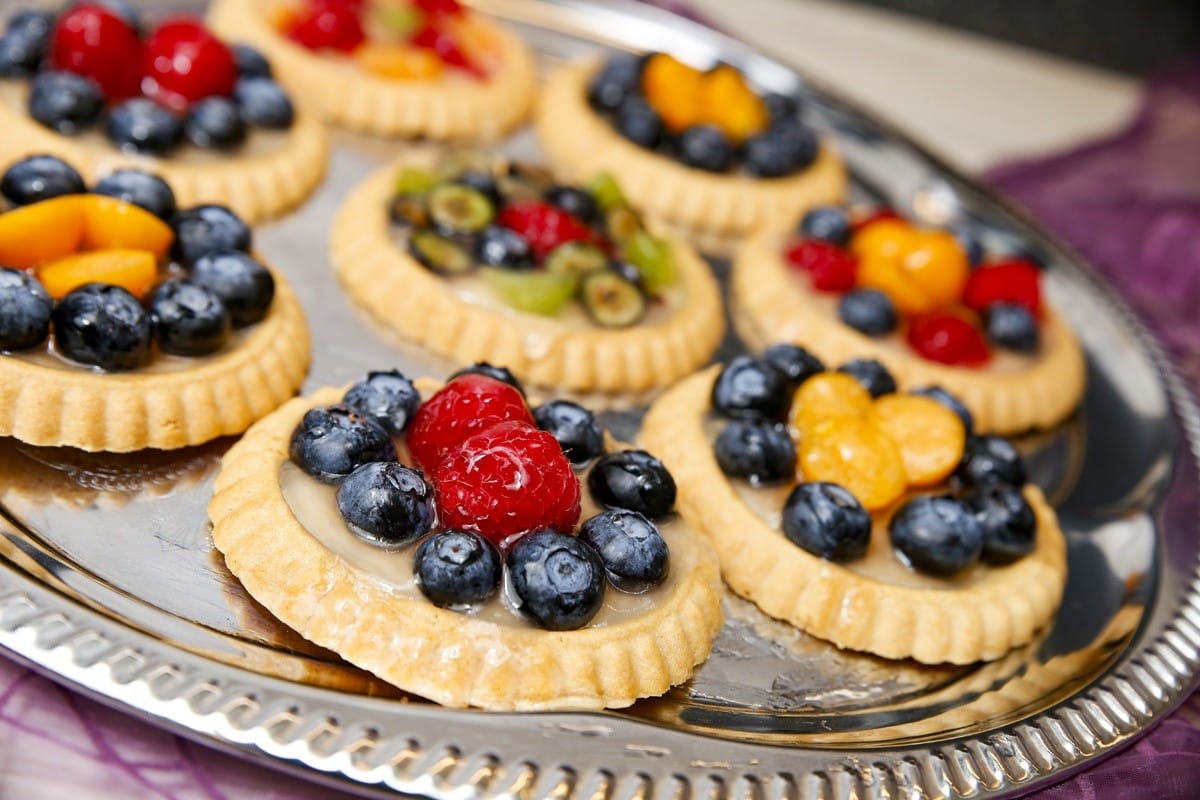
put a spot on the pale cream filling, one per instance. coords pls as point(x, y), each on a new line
point(47, 355)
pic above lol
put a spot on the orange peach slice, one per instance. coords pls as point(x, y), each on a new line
point(42, 232)
point(930, 436)
point(829, 395)
point(399, 62)
point(854, 454)
point(937, 263)
point(111, 223)
point(135, 270)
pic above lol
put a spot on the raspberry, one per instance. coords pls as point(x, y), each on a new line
point(543, 226)
point(92, 41)
point(467, 405)
point(184, 63)
point(1017, 281)
point(509, 479)
point(947, 339)
point(328, 25)
point(830, 268)
point(440, 8)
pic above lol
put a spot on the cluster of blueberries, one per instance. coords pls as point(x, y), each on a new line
point(558, 580)
point(988, 518)
point(104, 326)
point(787, 146)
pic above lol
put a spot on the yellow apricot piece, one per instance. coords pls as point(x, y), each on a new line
point(109, 223)
point(674, 89)
point(930, 436)
point(42, 232)
point(937, 264)
point(731, 105)
point(886, 275)
point(855, 454)
point(829, 395)
point(887, 238)
point(135, 270)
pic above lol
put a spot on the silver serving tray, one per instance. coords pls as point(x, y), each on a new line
point(109, 582)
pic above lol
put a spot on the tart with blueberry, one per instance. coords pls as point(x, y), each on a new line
point(876, 520)
point(126, 323)
point(702, 150)
point(477, 258)
point(415, 68)
point(467, 548)
point(96, 87)
point(931, 305)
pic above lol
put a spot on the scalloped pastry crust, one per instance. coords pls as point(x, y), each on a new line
point(124, 411)
point(433, 652)
point(982, 620)
point(346, 96)
point(424, 308)
point(770, 305)
point(580, 144)
point(258, 185)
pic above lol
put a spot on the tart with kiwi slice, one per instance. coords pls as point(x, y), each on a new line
point(98, 87)
point(468, 548)
point(873, 519)
point(700, 149)
point(931, 304)
point(477, 258)
point(122, 330)
point(415, 68)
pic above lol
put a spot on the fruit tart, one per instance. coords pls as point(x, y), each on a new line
point(873, 519)
point(477, 258)
point(931, 305)
point(702, 150)
point(126, 323)
point(87, 86)
point(466, 547)
point(416, 68)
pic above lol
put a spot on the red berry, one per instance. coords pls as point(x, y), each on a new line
point(443, 43)
point(830, 268)
point(1017, 281)
point(185, 63)
point(440, 8)
point(329, 25)
point(543, 226)
point(509, 479)
point(947, 339)
point(877, 215)
point(92, 41)
point(465, 406)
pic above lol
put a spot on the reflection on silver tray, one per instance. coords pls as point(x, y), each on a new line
point(110, 582)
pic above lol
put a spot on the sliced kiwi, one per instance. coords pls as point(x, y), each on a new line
point(409, 210)
point(535, 292)
point(610, 300)
point(606, 192)
point(621, 222)
point(653, 259)
point(575, 258)
point(414, 181)
point(439, 253)
point(458, 208)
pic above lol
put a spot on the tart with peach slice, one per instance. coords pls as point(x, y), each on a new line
point(414, 68)
point(121, 331)
point(883, 288)
point(876, 520)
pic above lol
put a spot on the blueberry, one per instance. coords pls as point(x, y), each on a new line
point(706, 147)
point(142, 126)
point(389, 398)
point(970, 243)
point(386, 504)
point(558, 579)
point(264, 103)
point(781, 107)
point(140, 188)
point(1007, 521)
point(483, 182)
point(1012, 327)
point(457, 568)
point(781, 150)
point(750, 388)
point(38, 178)
point(23, 45)
point(189, 319)
point(64, 102)
point(796, 363)
point(873, 376)
point(25, 308)
point(827, 223)
point(330, 443)
point(245, 286)
point(635, 480)
point(990, 459)
point(103, 326)
point(616, 82)
point(761, 452)
point(215, 123)
point(575, 428)
point(502, 374)
point(207, 229)
point(639, 123)
point(949, 401)
point(634, 553)
point(574, 201)
point(936, 535)
point(250, 62)
point(868, 311)
point(828, 521)
point(498, 246)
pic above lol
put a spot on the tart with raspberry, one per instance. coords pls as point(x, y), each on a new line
point(103, 91)
point(700, 149)
point(931, 305)
point(873, 519)
point(468, 548)
point(126, 323)
point(414, 68)
point(477, 258)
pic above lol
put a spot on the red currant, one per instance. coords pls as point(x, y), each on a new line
point(829, 267)
point(947, 339)
point(543, 226)
point(440, 8)
point(1017, 281)
point(329, 25)
point(185, 63)
point(443, 42)
point(92, 41)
